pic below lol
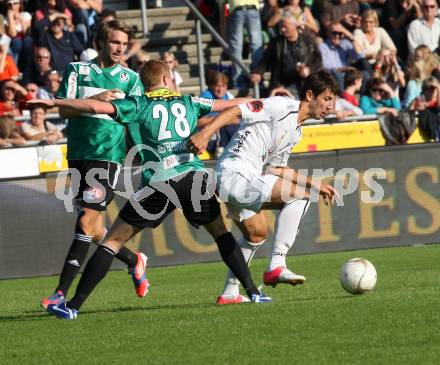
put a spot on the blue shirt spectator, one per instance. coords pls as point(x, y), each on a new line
point(382, 99)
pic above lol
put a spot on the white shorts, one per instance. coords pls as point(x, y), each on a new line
point(244, 193)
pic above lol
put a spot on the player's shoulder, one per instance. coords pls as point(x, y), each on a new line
point(129, 72)
point(284, 102)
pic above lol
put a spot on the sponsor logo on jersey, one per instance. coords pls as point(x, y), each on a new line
point(71, 85)
point(203, 101)
point(241, 141)
point(255, 106)
point(161, 93)
point(124, 76)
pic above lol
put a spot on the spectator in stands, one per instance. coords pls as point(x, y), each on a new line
point(63, 45)
point(84, 13)
point(13, 98)
point(345, 109)
point(428, 106)
point(18, 26)
point(269, 17)
point(38, 129)
point(388, 68)
point(431, 61)
point(340, 52)
point(170, 60)
point(290, 59)
point(398, 14)
point(371, 37)
point(353, 83)
point(8, 68)
point(141, 57)
point(38, 69)
point(380, 99)
point(218, 89)
point(45, 13)
point(52, 84)
point(305, 20)
point(32, 89)
point(346, 12)
point(244, 14)
point(426, 30)
point(414, 88)
point(9, 133)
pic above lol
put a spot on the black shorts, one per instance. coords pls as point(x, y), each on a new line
point(94, 195)
point(193, 193)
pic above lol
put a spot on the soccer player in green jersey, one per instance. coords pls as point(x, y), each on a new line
point(96, 148)
point(161, 123)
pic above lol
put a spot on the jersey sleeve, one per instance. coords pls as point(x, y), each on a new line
point(202, 106)
point(69, 85)
point(126, 109)
point(270, 110)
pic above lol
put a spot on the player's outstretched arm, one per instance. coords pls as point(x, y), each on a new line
point(328, 192)
point(199, 141)
point(220, 104)
point(75, 106)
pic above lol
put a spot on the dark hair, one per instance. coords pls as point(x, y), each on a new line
point(108, 12)
point(351, 76)
point(374, 82)
point(105, 29)
point(318, 82)
point(152, 72)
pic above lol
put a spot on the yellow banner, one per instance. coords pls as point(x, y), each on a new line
point(326, 137)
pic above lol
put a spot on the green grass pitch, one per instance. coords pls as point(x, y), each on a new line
point(177, 323)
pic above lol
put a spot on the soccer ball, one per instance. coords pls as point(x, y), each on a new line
point(358, 276)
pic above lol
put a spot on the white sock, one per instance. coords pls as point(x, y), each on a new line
point(286, 230)
point(232, 285)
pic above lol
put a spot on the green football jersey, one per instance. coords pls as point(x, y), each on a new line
point(96, 137)
point(162, 122)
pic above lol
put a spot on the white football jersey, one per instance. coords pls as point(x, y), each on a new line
point(267, 133)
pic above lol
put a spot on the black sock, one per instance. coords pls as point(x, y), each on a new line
point(127, 256)
point(75, 258)
point(95, 270)
point(231, 254)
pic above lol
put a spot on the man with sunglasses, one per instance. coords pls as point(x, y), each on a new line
point(425, 30)
point(37, 69)
point(96, 149)
point(340, 52)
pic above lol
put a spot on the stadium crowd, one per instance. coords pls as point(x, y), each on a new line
point(385, 55)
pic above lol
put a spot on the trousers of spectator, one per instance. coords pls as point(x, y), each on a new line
point(239, 20)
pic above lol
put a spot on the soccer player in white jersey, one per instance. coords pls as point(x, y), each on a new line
point(252, 174)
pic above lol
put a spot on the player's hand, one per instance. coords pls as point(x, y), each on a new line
point(108, 95)
point(328, 193)
point(40, 103)
point(198, 142)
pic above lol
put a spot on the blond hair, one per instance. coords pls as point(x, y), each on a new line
point(370, 13)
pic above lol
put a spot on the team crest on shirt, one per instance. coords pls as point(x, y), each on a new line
point(124, 76)
point(255, 106)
